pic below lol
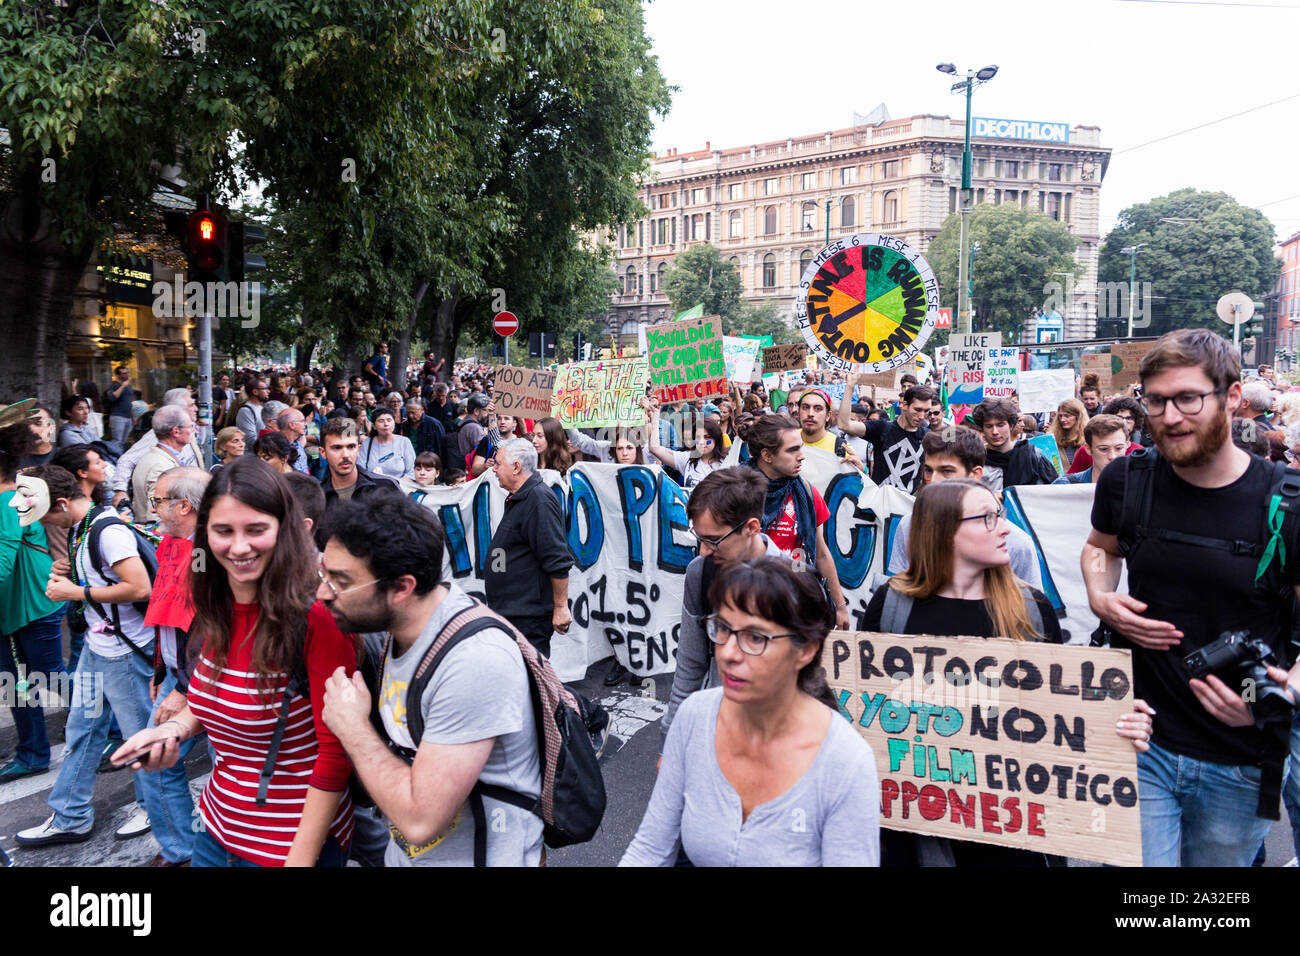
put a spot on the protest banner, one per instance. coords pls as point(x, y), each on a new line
point(888, 379)
point(741, 356)
point(1043, 391)
point(995, 741)
point(523, 392)
point(867, 303)
point(1100, 366)
point(171, 604)
point(1125, 357)
point(965, 373)
point(600, 394)
point(686, 359)
point(1001, 371)
point(778, 358)
point(1047, 445)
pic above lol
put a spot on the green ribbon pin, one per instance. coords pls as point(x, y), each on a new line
point(1275, 541)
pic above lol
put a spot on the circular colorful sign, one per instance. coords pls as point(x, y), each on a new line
point(867, 303)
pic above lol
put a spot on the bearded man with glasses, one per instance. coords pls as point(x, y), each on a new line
point(1211, 549)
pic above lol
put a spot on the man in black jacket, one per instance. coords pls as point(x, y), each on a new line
point(425, 432)
point(1010, 462)
point(345, 479)
point(527, 574)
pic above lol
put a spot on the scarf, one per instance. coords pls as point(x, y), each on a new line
point(778, 489)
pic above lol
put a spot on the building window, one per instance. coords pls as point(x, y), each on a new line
point(890, 169)
point(628, 327)
point(1010, 196)
point(952, 199)
point(697, 226)
point(848, 175)
point(771, 186)
point(980, 167)
point(735, 264)
point(629, 286)
point(808, 217)
point(640, 233)
point(661, 231)
point(735, 224)
point(848, 211)
point(808, 181)
point(891, 206)
point(1065, 213)
point(769, 220)
point(805, 260)
point(640, 284)
point(1012, 167)
point(663, 268)
point(979, 197)
point(1053, 208)
point(663, 201)
point(699, 196)
point(769, 271)
point(654, 278)
point(736, 191)
point(1054, 172)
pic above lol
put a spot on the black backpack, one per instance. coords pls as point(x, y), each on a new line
point(572, 799)
point(143, 547)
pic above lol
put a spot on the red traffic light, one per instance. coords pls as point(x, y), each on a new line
point(207, 242)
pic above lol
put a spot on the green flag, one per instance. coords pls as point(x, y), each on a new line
point(695, 312)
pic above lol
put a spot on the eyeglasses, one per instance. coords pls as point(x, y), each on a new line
point(320, 573)
point(990, 518)
point(714, 543)
point(155, 501)
point(1188, 403)
point(749, 641)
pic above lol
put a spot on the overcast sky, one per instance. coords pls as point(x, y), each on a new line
point(750, 71)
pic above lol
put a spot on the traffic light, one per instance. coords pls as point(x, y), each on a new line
point(498, 349)
point(243, 235)
point(577, 345)
point(206, 239)
point(541, 344)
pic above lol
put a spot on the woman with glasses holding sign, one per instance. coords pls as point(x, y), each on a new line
point(774, 776)
point(278, 791)
point(959, 583)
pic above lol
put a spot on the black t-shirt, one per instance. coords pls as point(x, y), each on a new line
point(951, 616)
point(483, 449)
point(1203, 592)
point(896, 455)
point(1023, 464)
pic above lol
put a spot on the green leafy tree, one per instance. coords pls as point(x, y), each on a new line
point(763, 318)
point(1199, 246)
point(700, 274)
point(1019, 250)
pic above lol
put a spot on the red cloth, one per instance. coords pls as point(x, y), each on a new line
point(1083, 458)
point(171, 603)
point(240, 721)
point(783, 532)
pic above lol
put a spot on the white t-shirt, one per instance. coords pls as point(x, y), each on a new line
point(116, 543)
point(694, 470)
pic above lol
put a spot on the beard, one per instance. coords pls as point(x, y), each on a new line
point(1209, 439)
point(364, 620)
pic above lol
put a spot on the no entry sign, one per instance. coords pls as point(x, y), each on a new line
point(505, 324)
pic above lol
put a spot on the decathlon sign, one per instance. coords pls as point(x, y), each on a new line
point(1020, 129)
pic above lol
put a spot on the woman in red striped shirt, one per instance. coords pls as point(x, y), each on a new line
point(251, 611)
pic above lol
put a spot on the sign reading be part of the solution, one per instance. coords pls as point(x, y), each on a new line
point(523, 392)
point(686, 359)
point(996, 741)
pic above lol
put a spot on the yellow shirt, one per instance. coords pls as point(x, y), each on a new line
point(825, 443)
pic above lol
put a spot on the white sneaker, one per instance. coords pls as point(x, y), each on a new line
point(47, 834)
point(136, 825)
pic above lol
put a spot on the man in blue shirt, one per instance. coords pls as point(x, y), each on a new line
point(376, 369)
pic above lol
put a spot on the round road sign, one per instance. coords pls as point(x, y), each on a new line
point(505, 324)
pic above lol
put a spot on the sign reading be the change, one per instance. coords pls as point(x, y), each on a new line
point(868, 303)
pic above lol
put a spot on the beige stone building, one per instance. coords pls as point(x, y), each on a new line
point(768, 207)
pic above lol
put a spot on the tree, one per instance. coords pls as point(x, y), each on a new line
point(1019, 250)
point(1200, 246)
point(763, 319)
point(701, 275)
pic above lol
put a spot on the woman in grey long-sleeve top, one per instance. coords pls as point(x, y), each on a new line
point(762, 771)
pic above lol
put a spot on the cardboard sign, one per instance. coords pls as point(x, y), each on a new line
point(1043, 391)
point(523, 392)
point(778, 358)
point(1001, 372)
point(867, 303)
point(996, 741)
point(686, 361)
point(600, 394)
point(888, 379)
point(1125, 359)
point(965, 374)
point(1100, 364)
point(1047, 445)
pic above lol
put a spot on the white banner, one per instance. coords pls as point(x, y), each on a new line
point(628, 532)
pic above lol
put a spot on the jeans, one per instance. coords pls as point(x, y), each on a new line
point(123, 682)
point(120, 428)
point(40, 646)
point(1291, 786)
point(1196, 813)
point(208, 852)
point(173, 819)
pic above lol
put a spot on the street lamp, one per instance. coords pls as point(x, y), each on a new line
point(973, 79)
point(1132, 253)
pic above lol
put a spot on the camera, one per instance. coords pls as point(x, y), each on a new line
point(1240, 662)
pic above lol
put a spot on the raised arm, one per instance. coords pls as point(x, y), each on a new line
point(845, 420)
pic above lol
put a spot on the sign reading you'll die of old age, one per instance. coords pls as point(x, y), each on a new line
point(995, 741)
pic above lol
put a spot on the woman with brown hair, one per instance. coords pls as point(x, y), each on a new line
point(1067, 428)
point(959, 582)
point(270, 801)
point(767, 746)
point(552, 445)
